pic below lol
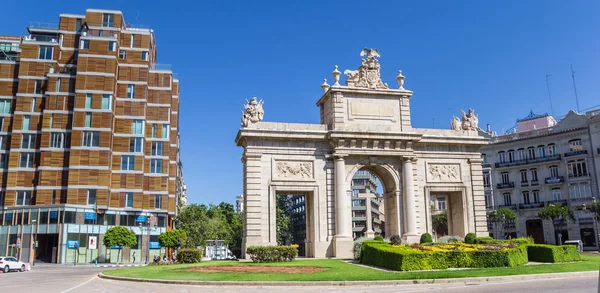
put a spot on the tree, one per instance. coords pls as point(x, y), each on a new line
point(557, 214)
point(440, 224)
point(283, 220)
point(171, 238)
point(119, 236)
point(499, 218)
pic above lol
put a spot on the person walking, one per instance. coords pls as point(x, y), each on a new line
point(134, 256)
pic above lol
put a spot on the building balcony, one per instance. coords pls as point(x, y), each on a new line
point(526, 206)
point(576, 153)
point(579, 176)
point(560, 202)
point(359, 208)
point(360, 218)
point(486, 165)
point(529, 161)
point(524, 183)
point(534, 183)
point(42, 27)
point(580, 200)
point(160, 67)
point(99, 33)
point(505, 185)
point(377, 220)
point(555, 180)
point(41, 38)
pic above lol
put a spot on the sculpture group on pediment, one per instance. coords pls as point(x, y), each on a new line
point(469, 121)
point(368, 75)
point(253, 112)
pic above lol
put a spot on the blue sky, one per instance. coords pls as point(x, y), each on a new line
point(492, 56)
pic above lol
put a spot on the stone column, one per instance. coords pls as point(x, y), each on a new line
point(411, 235)
point(343, 242)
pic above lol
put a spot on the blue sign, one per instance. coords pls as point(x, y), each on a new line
point(154, 245)
point(72, 243)
point(141, 219)
point(53, 214)
point(116, 247)
point(89, 216)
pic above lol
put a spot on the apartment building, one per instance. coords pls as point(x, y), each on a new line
point(367, 206)
point(88, 139)
point(543, 161)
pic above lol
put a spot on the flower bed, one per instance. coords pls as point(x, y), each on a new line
point(441, 256)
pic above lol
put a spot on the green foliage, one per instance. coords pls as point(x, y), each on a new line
point(272, 253)
point(283, 221)
point(171, 238)
point(500, 217)
point(439, 222)
point(189, 255)
point(552, 253)
point(378, 238)
point(449, 239)
point(405, 258)
point(522, 241)
point(357, 245)
point(120, 236)
point(426, 238)
point(554, 213)
point(486, 240)
point(470, 238)
point(395, 240)
point(516, 241)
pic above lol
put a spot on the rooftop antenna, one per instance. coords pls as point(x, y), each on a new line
point(574, 88)
point(549, 95)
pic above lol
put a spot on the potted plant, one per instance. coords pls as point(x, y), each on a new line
point(51, 70)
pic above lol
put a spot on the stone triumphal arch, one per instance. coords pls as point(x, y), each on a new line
point(365, 125)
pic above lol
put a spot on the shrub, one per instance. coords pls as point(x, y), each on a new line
point(396, 240)
point(470, 238)
point(426, 238)
point(189, 255)
point(551, 253)
point(522, 240)
point(405, 258)
point(449, 239)
point(378, 238)
point(272, 253)
point(357, 245)
point(486, 240)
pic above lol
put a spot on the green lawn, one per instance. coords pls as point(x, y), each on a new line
point(340, 271)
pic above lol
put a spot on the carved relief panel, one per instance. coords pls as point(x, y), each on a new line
point(437, 172)
point(293, 170)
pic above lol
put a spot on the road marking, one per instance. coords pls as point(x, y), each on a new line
point(79, 285)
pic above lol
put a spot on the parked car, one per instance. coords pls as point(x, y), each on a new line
point(9, 263)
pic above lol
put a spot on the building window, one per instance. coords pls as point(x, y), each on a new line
point(145, 55)
point(511, 156)
point(88, 119)
point(575, 145)
point(91, 139)
point(157, 148)
point(156, 166)
point(165, 131)
point(107, 19)
point(3, 161)
point(153, 130)
point(128, 199)
point(122, 54)
point(551, 150)
point(57, 84)
point(91, 196)
point(88, 101)
point(26, 160)
point(46, 52)
point(137, 127)
point(3, 139)
point(112, 46)
point(37, 86)
point(507, 199)
point(556, 194)
point(78, 24)
point(23, 198)
point(128, 163)
point(106, 99)
point(554, 171)
point(534, 176)
point(521, 155)
point(579, 191)
point(5, 106)
point(524, 176)
point(541, 151)
point(130, 91)
point(536, 196)
point(131, 40)
point(531, 153)
point(84, 45)
point(441, 203)
point(26, 120)
point(577, 168)
point(486, 180)
point(28, 141)
point(32, 105)
point(501, 157)
point(57, 140)
point(526, 197)
point(158, 201)
point(504, 178)
point(136, 144)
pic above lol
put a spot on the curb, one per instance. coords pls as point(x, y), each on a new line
point(120, 266)
point(359, 283)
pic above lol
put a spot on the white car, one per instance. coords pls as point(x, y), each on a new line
point(9, 263)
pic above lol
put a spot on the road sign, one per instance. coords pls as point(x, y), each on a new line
point(93, 242)
point(89, 216)
point(154, 245)
point(72, 243)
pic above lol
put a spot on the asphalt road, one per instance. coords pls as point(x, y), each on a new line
point(62, 279)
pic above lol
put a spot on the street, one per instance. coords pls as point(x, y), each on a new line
point(60, 279)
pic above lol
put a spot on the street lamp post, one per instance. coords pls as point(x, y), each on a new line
point(33, 222)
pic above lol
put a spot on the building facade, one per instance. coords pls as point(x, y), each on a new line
point(89, 139)
point(542, 162)
point(367, 206)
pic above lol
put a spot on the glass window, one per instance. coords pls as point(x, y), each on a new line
point(91, 139)
point(145, 55)
point(553, 171)
point(534, 176)
point(57, 140)
point(524, 176)
point(165, 131)
point(78, 24)
point(526, 197)
point(536, 196)
point(46, 52)
point(122, 54)
point(91, 196)
point(156, 166)
point(137, 127)
point(541, 151)
point(129, 200)
point(575, 145)
point(130, 91)
point(441, 203)
point(551, 150)
point(157, 147)
point(23, 198)
point(3, 140)
point(521, 155)
point(3, 160)
point(88, 101)
point(131, 40)
point(128, 163)
point(107, 19)
point(507, 199)
point(28, 141)
point(26, 120)
point(501, 157)
point(37, 86)
point(88, 119)
point(136, 144)
point(57, 84)
point(577, 168)
point(26, 160)
point(158, 201)
point(5, 106)
point(531, 153)
point(85, 44)
point(153, 130)
point(106, 99)
point(511, 156)
point(505, 178)
point(112, 46)
point(32, 105)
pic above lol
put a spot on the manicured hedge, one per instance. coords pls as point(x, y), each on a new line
point(405, 258)
point(272, 253)
point(552, 253)
point(189, 255)
point(515, 241)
